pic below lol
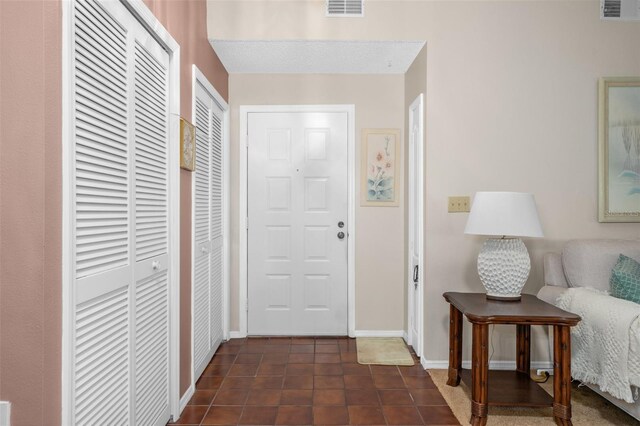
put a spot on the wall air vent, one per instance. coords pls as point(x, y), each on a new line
point(620, 10)
point(353, 8)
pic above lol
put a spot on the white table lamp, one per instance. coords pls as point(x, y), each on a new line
point(503, 263)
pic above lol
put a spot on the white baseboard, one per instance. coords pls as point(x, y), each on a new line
point(5, 413)
point(493, 365)
point(358, 333)
point(435, 365)
point(185, 398)
point(380, 333)
point(423, 362)
point(405, 336)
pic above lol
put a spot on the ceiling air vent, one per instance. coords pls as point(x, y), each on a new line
point(345, 8)
point(620, 10)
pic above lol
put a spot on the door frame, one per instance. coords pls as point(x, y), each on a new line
point(416, 177)
point(198, 77)
point(148, 20)
point(243, 212)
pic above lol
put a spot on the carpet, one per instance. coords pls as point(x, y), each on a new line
point(587, 407)
point(383, 351)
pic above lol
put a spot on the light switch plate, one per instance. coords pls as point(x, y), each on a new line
point(459, 204)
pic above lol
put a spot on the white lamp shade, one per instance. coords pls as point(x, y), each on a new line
point(504, 213)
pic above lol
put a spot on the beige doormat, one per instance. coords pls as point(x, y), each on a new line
point(587, 407)
point(383, 351)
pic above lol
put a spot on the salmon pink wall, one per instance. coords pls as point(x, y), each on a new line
point(186, 21)
point(30, 210)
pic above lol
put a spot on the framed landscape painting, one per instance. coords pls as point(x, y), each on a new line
point(619, 150)
point(380, 167)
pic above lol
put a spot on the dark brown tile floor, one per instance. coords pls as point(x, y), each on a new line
point(304, 381)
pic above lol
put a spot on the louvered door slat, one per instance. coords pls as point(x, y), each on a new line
point(102, 184)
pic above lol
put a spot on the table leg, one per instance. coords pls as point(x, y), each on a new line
point(523, 348)
point(455, 346)
point(562, 375)
point(480, 375)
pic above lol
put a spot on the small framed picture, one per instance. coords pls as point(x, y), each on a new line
point(619, 149)
point(187, 145)
point(380, 167)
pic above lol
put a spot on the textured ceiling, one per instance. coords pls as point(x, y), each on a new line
point(317, 57)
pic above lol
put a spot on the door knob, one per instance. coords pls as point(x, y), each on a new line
point(155, 265)
point(340, 235)
point(341, 224)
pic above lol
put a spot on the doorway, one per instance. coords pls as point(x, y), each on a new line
point(298, 214)
point(415, 241)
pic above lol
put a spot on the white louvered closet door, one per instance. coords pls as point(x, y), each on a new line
point(120, 193)
point(208, 248)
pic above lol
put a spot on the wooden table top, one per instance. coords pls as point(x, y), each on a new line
point(529, 310)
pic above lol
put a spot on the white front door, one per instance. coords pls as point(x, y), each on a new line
point(416, 218)
point(297, 223)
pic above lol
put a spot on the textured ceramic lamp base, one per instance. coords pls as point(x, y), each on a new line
point(503, 266)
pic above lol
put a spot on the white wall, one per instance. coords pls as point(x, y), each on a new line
point(379, 242)
point(511, 105)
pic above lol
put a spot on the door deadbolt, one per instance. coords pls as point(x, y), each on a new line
point(341, 224)
point(340, 235)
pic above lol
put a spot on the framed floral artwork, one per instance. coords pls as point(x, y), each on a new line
point(187, 145)
point(619, 150)
point(380, 167)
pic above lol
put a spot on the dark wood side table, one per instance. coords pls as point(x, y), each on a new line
point(510, 388)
